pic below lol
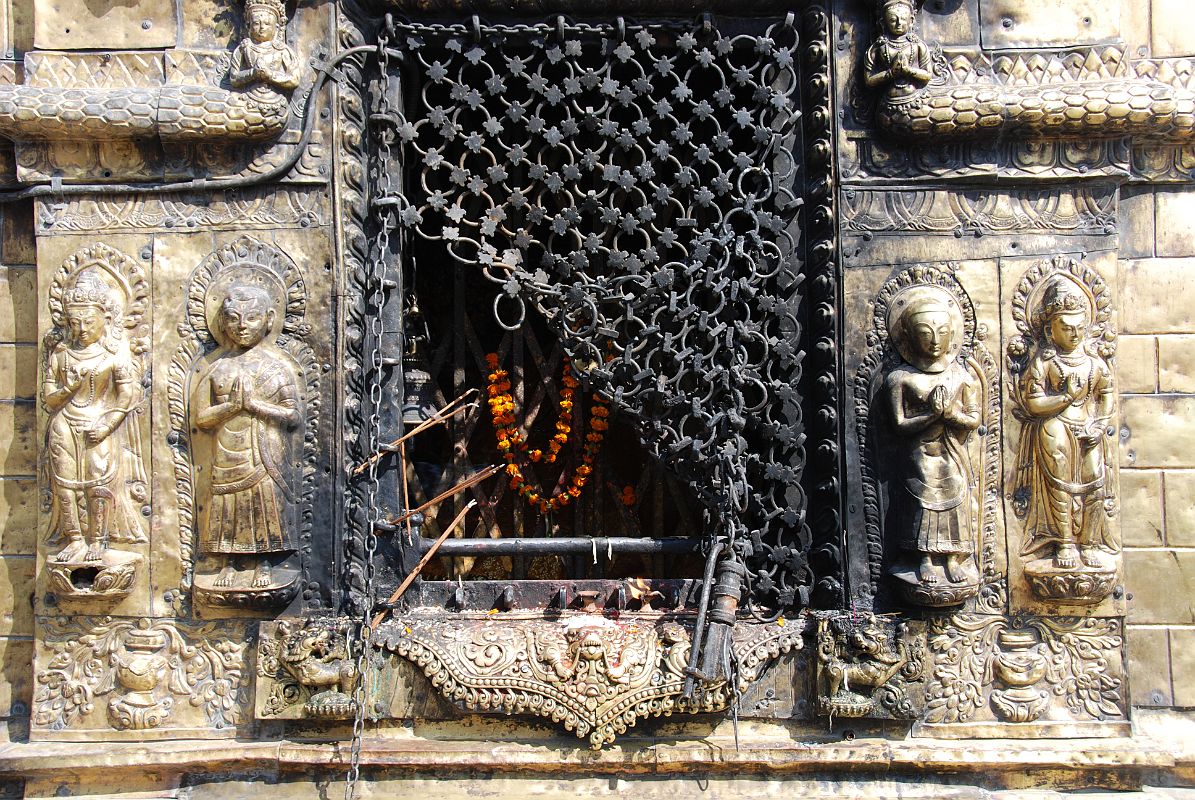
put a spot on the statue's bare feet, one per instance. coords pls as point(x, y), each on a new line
point(955, 568)
point(261, 576)
point(1091, 557)
point(95, 552)
point(72, 552)
point(225, 577)
point(926, 572)
point(1066, 557)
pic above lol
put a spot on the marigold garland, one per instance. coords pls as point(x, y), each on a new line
point(513, 445)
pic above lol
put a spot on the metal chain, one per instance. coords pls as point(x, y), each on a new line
point(376, 514)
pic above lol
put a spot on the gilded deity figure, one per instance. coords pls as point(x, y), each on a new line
point(248, 400)
point(1066, 397)
point(263, 60)
point(935, 404)
point(898, 61)
point(91, 386)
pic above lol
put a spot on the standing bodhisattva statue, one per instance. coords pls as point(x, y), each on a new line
point(249, 402)
point(935, 405)
point(1067, 399)
point(90, 387)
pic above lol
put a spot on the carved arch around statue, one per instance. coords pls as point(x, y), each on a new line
point(875, 435)
point(244, 262)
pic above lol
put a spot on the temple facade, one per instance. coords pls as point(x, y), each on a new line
point(597, 397)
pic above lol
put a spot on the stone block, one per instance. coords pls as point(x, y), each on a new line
point(1182, 666)
point(1176, 363)
point(1180, 508)
point(18, 371)
point(1149, 666)
point(18, 439)
point(1162, 583)
point(16, 673)
point(1161, 431)
point(1141, 511)
point(1137, 364)
point(1175, 210)
point(18, 516)
point(1136, 222)
point(1170, 36)
point(18, 305)
point(1151, 295)
point(16, 595)
point(17, 245)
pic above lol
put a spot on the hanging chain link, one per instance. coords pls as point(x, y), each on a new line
point(386, 222)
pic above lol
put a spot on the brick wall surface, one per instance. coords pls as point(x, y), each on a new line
point(1157, 378)
point(18, 459)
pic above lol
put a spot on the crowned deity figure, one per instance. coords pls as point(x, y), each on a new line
point(91, 387)
point(247, 405)
point(935, 402)
point(263, 60)
point(1066, 400)
point(898, 61)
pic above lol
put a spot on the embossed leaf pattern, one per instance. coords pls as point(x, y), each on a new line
point(1078, 665)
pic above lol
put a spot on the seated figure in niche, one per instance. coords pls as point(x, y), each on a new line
point(263, 60)
point(249, 401)
point(935, 404)
point(90, 388)
point(1067, 397)
point(898, 61)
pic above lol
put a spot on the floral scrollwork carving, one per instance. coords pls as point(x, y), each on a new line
point(596, 676)
point(1020, 666)
point(147, 670)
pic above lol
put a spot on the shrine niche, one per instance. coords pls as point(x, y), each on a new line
point(94, 462)
point(243, 390)
point(927, 422)
point(1064, 486)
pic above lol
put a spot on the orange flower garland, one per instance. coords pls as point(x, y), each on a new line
point(512, 444)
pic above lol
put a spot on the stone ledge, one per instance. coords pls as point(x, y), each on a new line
point(715, 754)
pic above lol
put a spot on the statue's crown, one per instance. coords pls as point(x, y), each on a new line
point(89, 290)
point(275, 7)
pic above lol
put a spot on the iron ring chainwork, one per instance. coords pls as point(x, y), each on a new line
point(639, 186)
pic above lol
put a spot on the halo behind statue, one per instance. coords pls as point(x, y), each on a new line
point(246, 261)
point(916, 286)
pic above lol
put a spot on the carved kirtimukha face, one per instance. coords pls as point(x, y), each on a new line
point(263, 24)
point(246, 317)
point(1068, 331)
point(87, 323)
point(931, 333)
point(898, 19)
